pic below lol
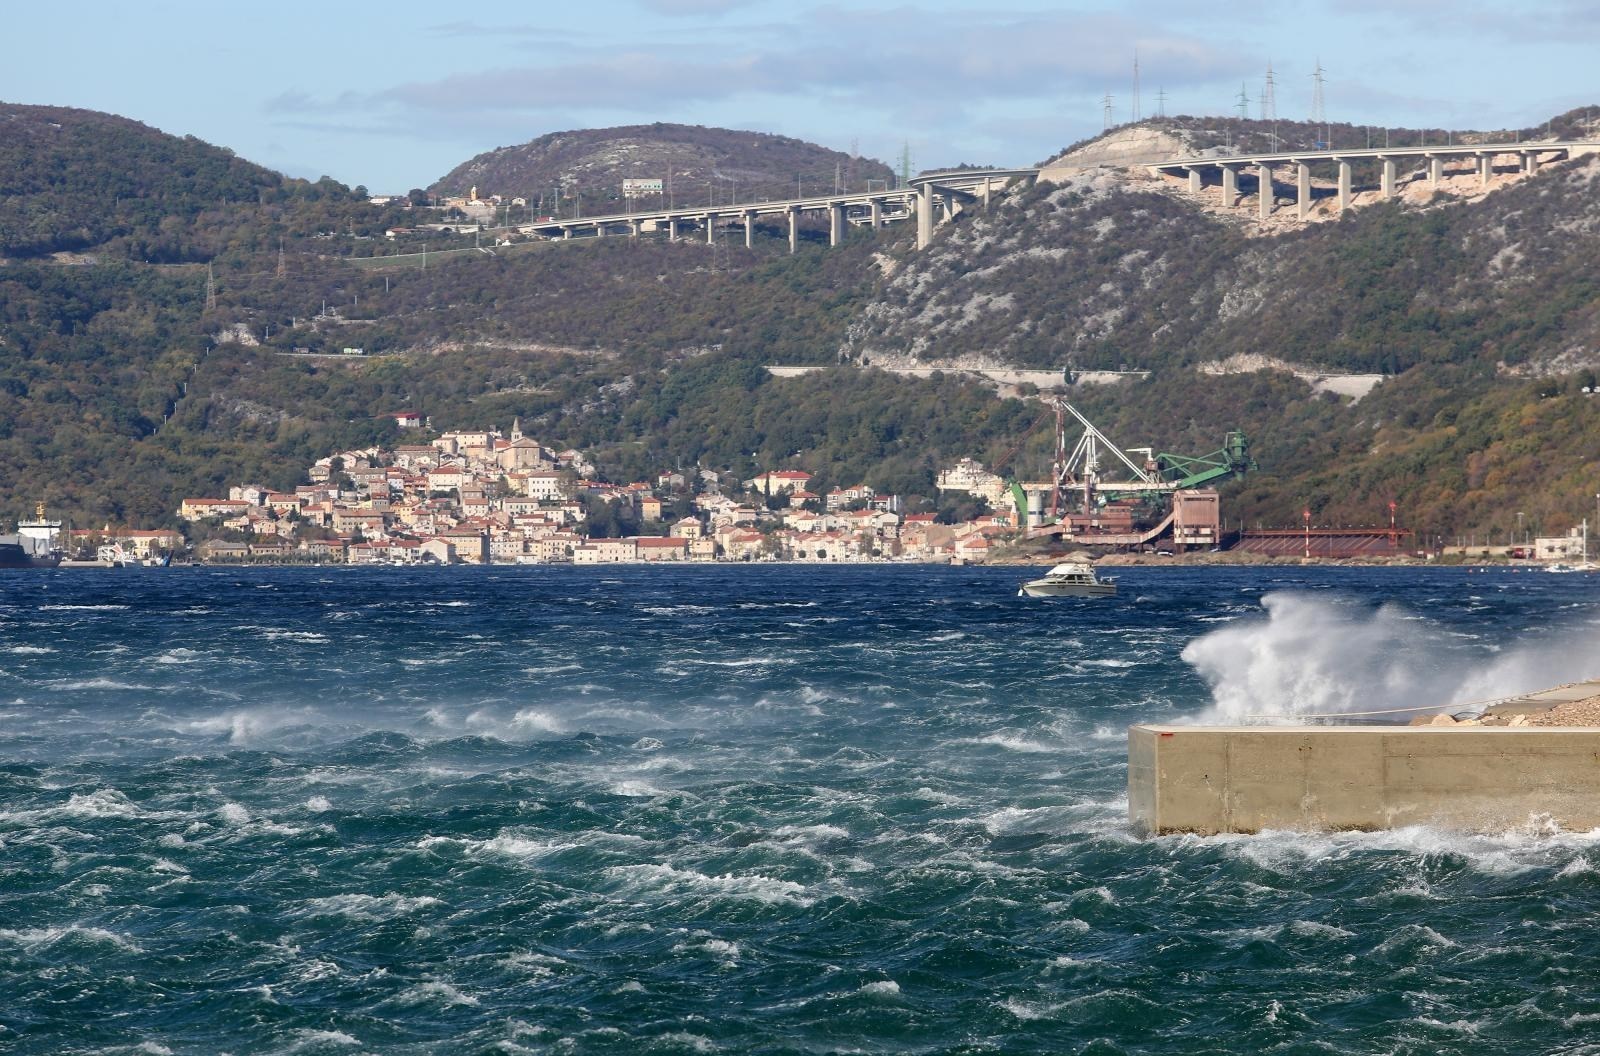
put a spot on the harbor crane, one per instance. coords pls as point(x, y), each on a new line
point(1077, 470)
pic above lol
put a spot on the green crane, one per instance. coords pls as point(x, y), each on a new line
point(1184, 471)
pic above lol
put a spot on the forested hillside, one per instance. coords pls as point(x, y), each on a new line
point(121, 390)
point(79, 181)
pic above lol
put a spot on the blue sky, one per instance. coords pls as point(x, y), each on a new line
point(394, 94)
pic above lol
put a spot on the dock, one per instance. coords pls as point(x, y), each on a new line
point(1480, 778)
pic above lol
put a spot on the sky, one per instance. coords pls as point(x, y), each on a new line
point(393, 95)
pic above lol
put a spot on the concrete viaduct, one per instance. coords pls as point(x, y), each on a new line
point(936, 198)
point(1226, 170)
point(931, 199)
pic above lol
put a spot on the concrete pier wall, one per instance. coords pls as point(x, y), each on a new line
point(1210, 780)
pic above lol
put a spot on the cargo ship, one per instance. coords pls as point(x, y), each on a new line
point(35, 544)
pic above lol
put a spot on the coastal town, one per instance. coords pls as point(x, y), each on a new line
point(495, 496)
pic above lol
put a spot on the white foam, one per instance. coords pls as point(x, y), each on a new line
point(668, 879)
point(97, 683)
point(1532, 846)
point(316, 1039)
point(881, 988)
point(318, 804)
point(101, 803)
point(51, 936)
point(366, 907)
point(436, 992)
point(29, 650)
point(234, 814)
point(274, 634)
point(177, 657)
point(81, 608)
point(535, 720)
point(1028, 1011)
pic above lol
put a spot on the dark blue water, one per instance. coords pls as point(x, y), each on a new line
point(770, 810)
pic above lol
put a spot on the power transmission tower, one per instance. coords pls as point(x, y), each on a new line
point(1243, 103)
point(281, 270)
point(1161, 102)
point(1319, 110)
point(211, 288)
point(1108, 118)
point(1269, 97)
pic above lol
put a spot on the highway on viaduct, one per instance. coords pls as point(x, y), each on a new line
point(935, 198)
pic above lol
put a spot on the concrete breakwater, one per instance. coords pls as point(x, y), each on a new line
point(1482, 778)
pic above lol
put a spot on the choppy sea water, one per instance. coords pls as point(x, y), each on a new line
point(747, 810)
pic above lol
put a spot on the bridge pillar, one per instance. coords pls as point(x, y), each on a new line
point(566, 233)
point(672, 229)
point(876, 205)
point(1485, 169)
point(1302, 184)
point(924, 216)
point(835, 223)
point(1435, 169)
point(1196, 181)
point(1344, 184)
point(749, 230)
point(1265, 193)
point(1530, 162)
point(711, 229)
point(634, 227)
point(599, 230)
point(794, 228)
point(1387, 180)
point(1230, 186)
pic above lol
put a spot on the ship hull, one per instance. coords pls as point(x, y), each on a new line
point(14, 556)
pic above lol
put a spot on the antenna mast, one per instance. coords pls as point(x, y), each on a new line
point(1136, 114)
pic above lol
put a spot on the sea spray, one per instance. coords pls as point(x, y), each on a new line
point(1314, 655)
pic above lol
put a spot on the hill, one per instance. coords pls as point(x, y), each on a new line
point(121, 390)
point(79, 181)
point(703, 164)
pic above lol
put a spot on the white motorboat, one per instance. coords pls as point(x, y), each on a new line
point(1071, 579)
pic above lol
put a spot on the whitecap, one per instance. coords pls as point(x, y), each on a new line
point(51, 936)
point(436, 992)
point(671, 880)
point(366, 907)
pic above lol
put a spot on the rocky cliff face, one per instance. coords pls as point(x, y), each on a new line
point(1111, 268)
